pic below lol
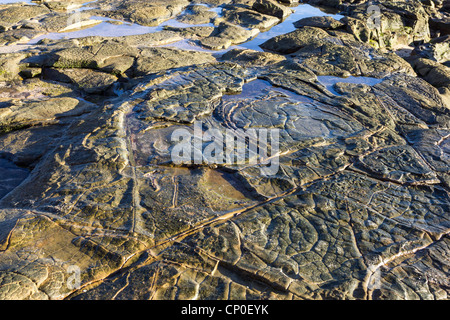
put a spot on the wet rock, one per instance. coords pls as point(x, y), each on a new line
point(437, 49)
point(248, 18)
point(294, 41)
point(356, 210)
point(272, 8)
point(153, 39)
point(153, 60)
point(198, 15)
point(88, 80)
point(191, 94)
point(433, 145)
point(399, 164)
point(430, 107)
point(193, 32)
point(10, 66)
point(420, 266)
point(97, 56)
point(12, 15)
point(10, 176)
point(145, 13)
point(441, 24)
point(319, 22)
point(251, 58)
point(342, 58)
point(18, 114)
point(434, 73)
point(16, 36)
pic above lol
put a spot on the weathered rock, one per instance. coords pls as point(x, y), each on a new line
point(429, 107)
point(63, 22)
point(88, 80)
point(153, 60)
point(18, 114)
point(294, 41)
point(433, 146)
point(11, 15)
point(399, 164)
point(251, 58)
point(272, 8)
point(215, 43)
point(193, 32)
point(319, 22)
point(153, 39)
point(97, 56)
point(144, 12)
point(10, 66)
point(355, 209)
point(198, 15)
point(441, 24)
point(434, 73)
point(399, 23)
point(191, 95)
point(226, 35)
point(248, 18)
point(332, 56)
point(437, 49)
point(16, 36)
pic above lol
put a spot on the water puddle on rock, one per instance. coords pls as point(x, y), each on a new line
point(300, 12)
point(330, 81)
point(10, 176)
point(107, 27)
point(15, 1)
point(260, 87)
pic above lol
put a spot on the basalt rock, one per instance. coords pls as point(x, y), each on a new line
point(11, 15)
point(248, 18)
point(153, 60)
point(294, 41)
point(227, 35)
point(143, 12)
point(10, 66)
point(319, 22)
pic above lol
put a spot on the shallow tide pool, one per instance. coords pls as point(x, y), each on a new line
point(108, 28)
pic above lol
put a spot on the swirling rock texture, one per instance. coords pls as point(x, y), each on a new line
point(359, 208)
